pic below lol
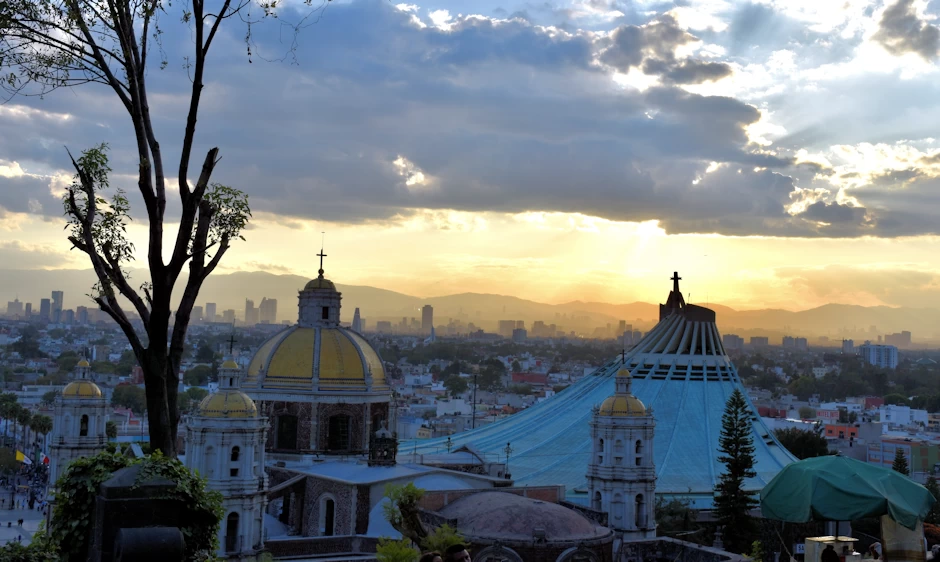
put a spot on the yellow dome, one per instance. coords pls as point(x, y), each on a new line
point(227, 404)
point(622, 407)
point(340, 359)
point(320, 283)
point(624, 372)
point(83, 363)
point(230, 364)
point(82, 389)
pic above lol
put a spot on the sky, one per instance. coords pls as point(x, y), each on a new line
point(777, 153)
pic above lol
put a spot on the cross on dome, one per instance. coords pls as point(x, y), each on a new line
point(231, 343)
point(321, 254)
point(675, 281)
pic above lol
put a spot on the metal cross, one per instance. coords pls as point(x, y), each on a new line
point(321, 254)
point(675, 281)
point(231, 343)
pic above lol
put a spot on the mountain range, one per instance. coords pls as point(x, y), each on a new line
point(229, 291)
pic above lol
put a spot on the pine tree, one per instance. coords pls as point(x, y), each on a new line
point(933, 516)
point(900, 462)
point(732, 503)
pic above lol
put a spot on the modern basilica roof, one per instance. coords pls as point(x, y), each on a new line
point(679, 370)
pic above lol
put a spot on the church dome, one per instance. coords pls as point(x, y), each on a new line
point(81, 389)
point(316, 358)
point(320, 283)
point(230, 364)
point(624, 372)
point(83, 363)
point(227, 404)
point(622, 406)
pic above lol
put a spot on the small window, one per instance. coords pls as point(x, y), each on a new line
point(326, 313)
point(235, 453)
point(600, 446)
point(233, 472)
point(83, 429)
point(618, 460)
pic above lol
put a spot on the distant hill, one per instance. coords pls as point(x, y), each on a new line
point(485, 310)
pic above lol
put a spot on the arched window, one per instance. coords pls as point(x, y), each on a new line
point(83, 427)
point(596, 506)
point(325, 313)
point(618, 452)
point(287, 432)
point(231, 533)
point(640, 512)
point(235, 453)
point(639, 452)
point(210, 461)
point(617, 510)
point(327, 516)
point(338, 437)
point(600, 446)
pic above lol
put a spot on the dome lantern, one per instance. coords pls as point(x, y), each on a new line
point(319, 302)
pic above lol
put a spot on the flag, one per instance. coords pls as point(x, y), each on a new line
point(20, 457)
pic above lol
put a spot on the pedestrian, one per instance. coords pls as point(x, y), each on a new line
point(829, 554)
point(431, 557)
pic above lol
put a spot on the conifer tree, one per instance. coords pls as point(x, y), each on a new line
point(732, 502)
point(900, 462)
point(933, 516)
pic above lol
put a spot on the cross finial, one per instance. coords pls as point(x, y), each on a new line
point(675, 281)
point(321, 254)
point(623, 356)
point(231, 343)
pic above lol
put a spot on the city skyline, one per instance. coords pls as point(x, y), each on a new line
point(746, 142)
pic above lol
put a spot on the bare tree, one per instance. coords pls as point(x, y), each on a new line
point(50, 44)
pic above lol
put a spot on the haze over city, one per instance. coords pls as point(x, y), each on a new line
point(781, 152)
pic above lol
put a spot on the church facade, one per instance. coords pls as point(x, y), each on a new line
point(79, 423)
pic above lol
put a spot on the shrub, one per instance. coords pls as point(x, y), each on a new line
point(390, 550)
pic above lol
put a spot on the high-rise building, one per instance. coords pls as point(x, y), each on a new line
point(506, 327)
point(14, 308)
point(732, 341)
point(884, 356)
point(788, 342)
point(383, 327)
point(801, 344)
point(251, 313)
point(848, 347)
point(427, 319)
point(210, 312)
point(29, 310)
point(196, 314)
point(268, 311)
point(45, 309)
point(57, 298)
point(81, 314)
point(357, 321)
point(760, 341)
point(228, 316)
point(67, 316)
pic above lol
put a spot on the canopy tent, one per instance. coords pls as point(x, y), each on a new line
point(836, 488)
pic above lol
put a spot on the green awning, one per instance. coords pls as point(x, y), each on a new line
point(842, 489)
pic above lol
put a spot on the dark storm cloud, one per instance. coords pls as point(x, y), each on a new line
point(900, 31)
point(498, 116)
point(652, 48)
point(833, 213)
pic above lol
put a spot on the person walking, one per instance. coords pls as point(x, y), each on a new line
point(829, 554)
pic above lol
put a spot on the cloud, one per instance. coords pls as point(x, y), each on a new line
point(474, 113)
point(901, 31)
point(896, 284)
point(652, 48)
point(23, 255)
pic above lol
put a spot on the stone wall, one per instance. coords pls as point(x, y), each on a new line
point(304, 413)
point(342, 514)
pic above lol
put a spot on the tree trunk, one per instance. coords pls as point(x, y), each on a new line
point(162, 429)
